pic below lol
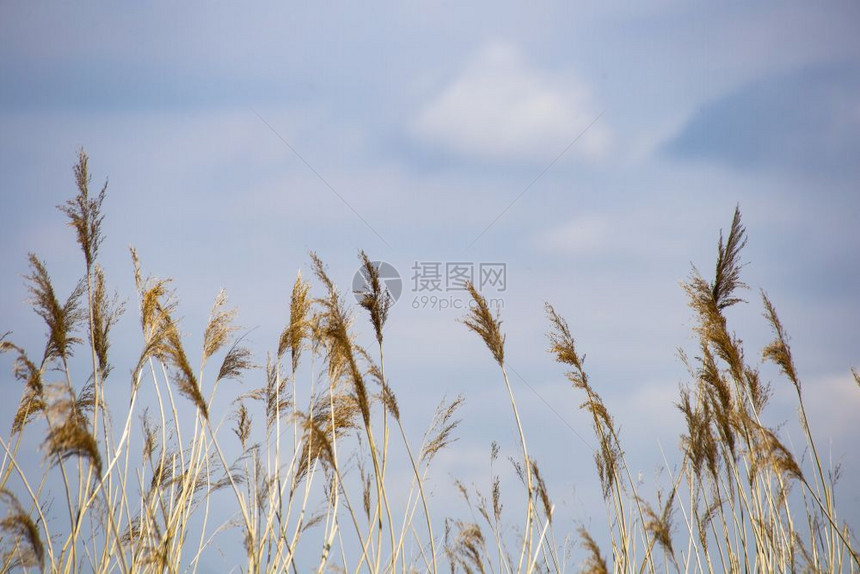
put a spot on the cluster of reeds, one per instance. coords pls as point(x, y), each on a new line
point(735, 485)
point(302, 459)
point(302, 463)
point(738, 472)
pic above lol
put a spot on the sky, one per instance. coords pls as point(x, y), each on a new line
point(593, 152)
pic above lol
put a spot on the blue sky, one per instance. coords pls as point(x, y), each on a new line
point(430, 121)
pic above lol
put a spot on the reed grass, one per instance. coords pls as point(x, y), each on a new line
point(299, 467)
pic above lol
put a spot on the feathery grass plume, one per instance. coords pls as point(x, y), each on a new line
point(366, 479)
point(728, 268)
point(164, 473)
point(710, 299)
point(464, 492)
point(518, 469)
point(390, 400)
point(62, 320)
point(718, 403)
point(438, 436)
point(86, 399)
point(183, 377)
point(20, 537)
point(243, 425)
point(106, 313)
point(33, 399)
point(316, 445)
point(704, 520)
point(72, 437)
point(312, 521)
point(778, 351)
point(542, 491)
point(31, 404)
point(234, 475)
point(162, 339)
point(660, 525)
point(481, 321)
point(727, 347)
point(468, 549)
point(386, 394)
point(759, 392)
point(496, 490)
point(777, 455)
point(376, 298)
point(563, 347)
point(373, 371)
point(329, 419)
point(334, 325)
point(606, 458)
point(594, 563)
point(273, 395)
point(856, 376)
point(300, 326)
point(608, 455)
point(84, 212)
point(716, 387)
point(236, 361)
point(497, 499)
point(150, 292)
point(150, 434)
point(220, 326)
point(699, 444)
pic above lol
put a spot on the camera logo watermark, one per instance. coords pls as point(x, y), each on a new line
point(388, 276)
point(439, 285)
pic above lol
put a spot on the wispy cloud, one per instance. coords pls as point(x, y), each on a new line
point(500, 108)
point(583, 234)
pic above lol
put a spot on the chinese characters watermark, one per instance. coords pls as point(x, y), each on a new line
point(440, 285)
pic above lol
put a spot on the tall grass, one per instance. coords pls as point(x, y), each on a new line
point(301, 466)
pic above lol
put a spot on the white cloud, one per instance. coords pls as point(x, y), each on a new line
point(593, 233)
point(582, 234)
point(500, 108)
